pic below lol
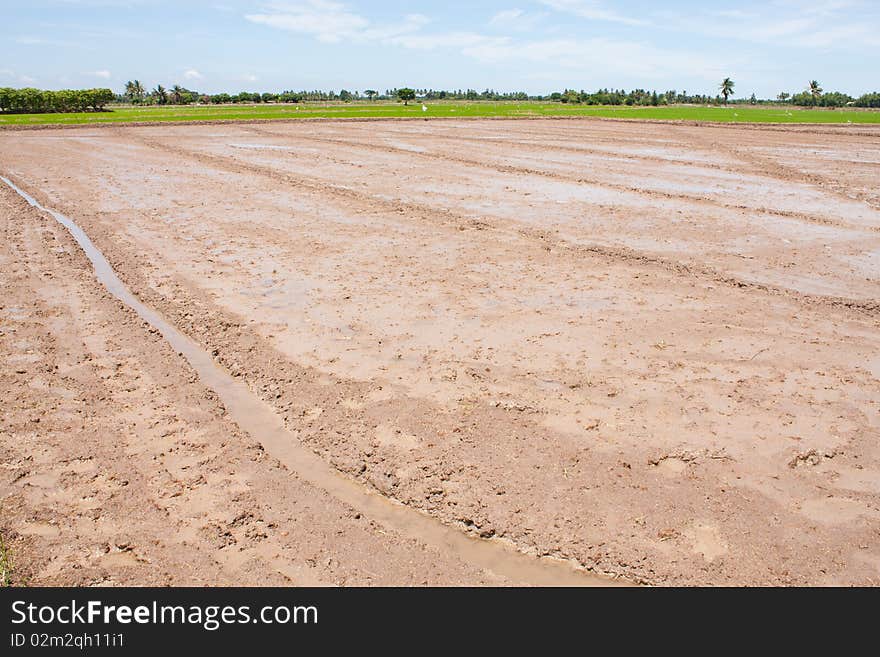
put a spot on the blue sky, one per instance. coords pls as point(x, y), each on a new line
point(538, 46)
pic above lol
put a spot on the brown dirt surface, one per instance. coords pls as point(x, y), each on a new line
point(652, 350)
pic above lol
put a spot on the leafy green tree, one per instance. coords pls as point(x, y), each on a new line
point(571, 96)
point(726, 87)
point(406, 94)
point(98, 99)
point(783, 97)
point(868, 100)
point(345, 96)
point(371, 93)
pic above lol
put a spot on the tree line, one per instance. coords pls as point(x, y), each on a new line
point(38, 101)
point(812, 96)
point(635, 97)
point(72, 100)
point(136, 94)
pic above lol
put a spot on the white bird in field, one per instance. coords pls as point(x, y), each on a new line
point(424, 108)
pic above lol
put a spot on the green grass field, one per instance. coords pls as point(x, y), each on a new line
point(738, 114)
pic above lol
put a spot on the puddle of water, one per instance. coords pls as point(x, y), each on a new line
point(16, 313)
point(263, 424)
point(263, 147)
point(405, 147)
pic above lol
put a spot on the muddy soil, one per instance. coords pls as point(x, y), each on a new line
point(651, 350)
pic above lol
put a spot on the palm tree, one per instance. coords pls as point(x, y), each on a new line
point(134, 91)
point(177, 94)
point(727, 88)
point(160, 94)
point(815, 90)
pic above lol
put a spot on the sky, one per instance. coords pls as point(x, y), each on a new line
point(538, 46)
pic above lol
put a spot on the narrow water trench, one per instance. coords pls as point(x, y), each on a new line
point(258, 419)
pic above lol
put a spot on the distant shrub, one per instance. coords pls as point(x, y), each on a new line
point(38, 101)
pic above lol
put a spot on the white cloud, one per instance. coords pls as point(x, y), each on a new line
point(592, 10)
point(808, 24)
point(8, 73)
point(327, 21)
point(600, 59)
point(192, 74)
point(332, 22)
point(462, 40)
point(43, 41)
point(517, 20)
point(103, 74)
point(506, 17)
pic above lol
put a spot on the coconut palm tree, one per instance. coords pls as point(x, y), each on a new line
point(815, 90)
point(134, 91)
point(177, 94)
point(161, 95)
point(727, 88)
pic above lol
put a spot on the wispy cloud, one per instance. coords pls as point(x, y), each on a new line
point(506, 17)
point(517, 20)
point(592, 10)
point(809, 24)
point(29, 40)
point(14, 77)
point(453, 40)
point(192, 74)
point(598, 59)
point(105, 3)
point(103, 74)
point(332, 22)
point(637, 47)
